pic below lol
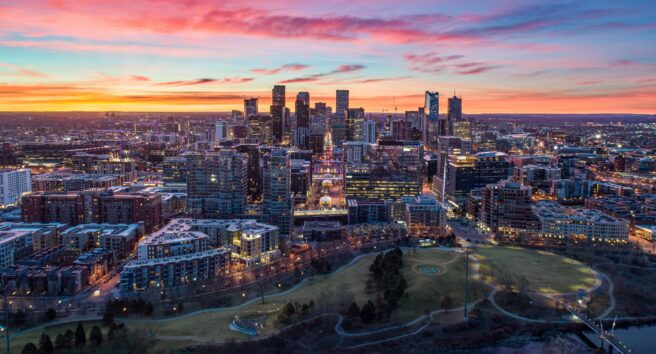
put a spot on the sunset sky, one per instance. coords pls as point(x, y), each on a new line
point(193, 55)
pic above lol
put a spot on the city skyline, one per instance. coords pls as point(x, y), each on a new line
point(148, 55)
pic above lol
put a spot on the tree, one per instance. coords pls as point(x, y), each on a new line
point(447, 303)
point(45, 344)
point(288, 310)
point(69, 337)
point(60, 342)
point(116, 330)
point(95, 336)
point(80, 335)
point(354, 310)
point(50, 314)
point(368, 313)
point(30, 348)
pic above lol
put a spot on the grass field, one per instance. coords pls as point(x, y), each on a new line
point(546, 272)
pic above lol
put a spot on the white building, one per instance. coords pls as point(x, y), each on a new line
point(220, 130)
point(22, 239)
point(13, 185)
point(249, 240)
point(563, 222)
point(369, 132)
point(118, 238)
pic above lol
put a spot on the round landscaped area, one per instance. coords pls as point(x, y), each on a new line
point(428, 269)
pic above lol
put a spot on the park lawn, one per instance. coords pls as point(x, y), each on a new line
point(546, 272)
point(424, 292)
point(423, 289)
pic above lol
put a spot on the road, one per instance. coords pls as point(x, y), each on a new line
point(469, 231)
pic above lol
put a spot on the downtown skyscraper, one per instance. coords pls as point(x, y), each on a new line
point(277, 202)
point(355, 124)
point(216, 184)
point(432, 124)
point(341, 102)
point(279, 113)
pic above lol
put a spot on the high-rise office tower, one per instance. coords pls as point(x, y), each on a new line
point(370, 131)
point(260, 127)
point(216, 184)
point(250, 107)
point(432, 128)
point(237, 116)
point(220, 130)
point(278, 97)
point(278, 122)
point(354, 124)
point(278, 112)
point(341, 103)
point(454, 115)
point(464, 173)
point(303, 110)
point(304, 96)
point(276, 189)
point(321, 109)
point(401, 130)
point(455, 109)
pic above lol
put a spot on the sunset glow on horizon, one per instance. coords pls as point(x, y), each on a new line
point(192, 55)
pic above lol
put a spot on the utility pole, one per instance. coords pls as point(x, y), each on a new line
point(4, 295)
point(466, 280)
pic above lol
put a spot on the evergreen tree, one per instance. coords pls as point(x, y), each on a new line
point(69, 337)
point(60, 342)
point(95, 336)
point(30, 348)
point(354, 310)
point(80, 335)
point(368, 313)
point(45, 344)
point(288, 310)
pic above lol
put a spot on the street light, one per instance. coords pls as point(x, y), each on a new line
point(4, 296)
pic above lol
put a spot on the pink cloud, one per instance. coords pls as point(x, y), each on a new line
point(204, 81)
point(286, 67)
point(60, 45)
point(342, 69)
point(21, 71)
point(140, 78)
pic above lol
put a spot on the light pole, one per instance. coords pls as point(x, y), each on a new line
point(466, 280)
point(4, 296)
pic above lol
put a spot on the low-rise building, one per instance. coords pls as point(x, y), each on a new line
point(563, 222)
point(320, 231)
point(117, 238)
point(18, 240)
point(425, 216)
point(174, 271)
